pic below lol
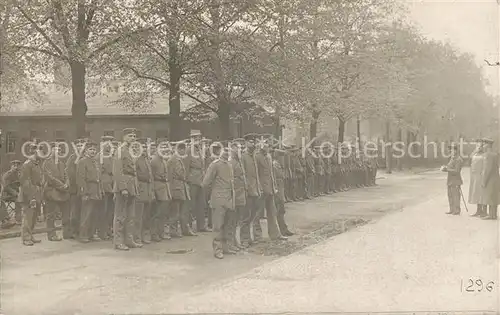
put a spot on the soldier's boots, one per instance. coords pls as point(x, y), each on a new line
point(121, 247)
point(55, 238)
point(134, 245)
point(156, 238)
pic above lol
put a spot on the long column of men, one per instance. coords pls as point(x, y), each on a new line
point(136, 192)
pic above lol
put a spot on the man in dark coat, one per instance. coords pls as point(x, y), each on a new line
point(454, 181)
point(490, 180)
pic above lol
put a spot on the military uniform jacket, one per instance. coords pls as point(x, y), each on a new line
point(107, 174)
point(31, 179)
point(144, 179)
point(310, 165)
point(195, 166)
point(88, 178)
point(250, 167)
point(319, 166)
point(219, 181)
point(55, 180)
point(160, 178)
point(328, 165)
point(265, 173)
point(240, 182)
point(177, 178)
point(10, 184)
point(490, 179)
point(124, 173)
point(71, 173)
point(454, 169)
point(279, 175)
point(298, 170)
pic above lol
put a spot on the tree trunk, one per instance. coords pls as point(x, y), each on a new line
point(313, 127)
point(224, 120)
point(174, 99)
point(278, 132)
point(399, 160)
point(341, 130)
point(79, 104)
point(388, 148)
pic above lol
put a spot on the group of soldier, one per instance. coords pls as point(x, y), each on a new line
point(484, 188)
point(136, 191)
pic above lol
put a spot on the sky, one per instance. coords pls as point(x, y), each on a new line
point(471, 26)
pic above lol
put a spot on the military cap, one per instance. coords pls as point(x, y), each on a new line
point(206, 140)
point(239, 140)
point(179, 144)
point(107, 138)
point(55, 144)
point(129, 131)
point(195, 133)
point(16, 162)
point(279, 151)
point(162, 140)
point(81, 140)
point(487, 141)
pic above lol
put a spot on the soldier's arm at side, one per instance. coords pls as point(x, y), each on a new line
point(210, 175)
point(25, 179)
point(81, 174)
point(488, 168)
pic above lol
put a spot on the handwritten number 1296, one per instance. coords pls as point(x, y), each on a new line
point(477, 285)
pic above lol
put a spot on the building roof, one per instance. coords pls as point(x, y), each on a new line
point(58, 103)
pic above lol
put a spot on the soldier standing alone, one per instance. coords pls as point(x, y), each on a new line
point(454, 181)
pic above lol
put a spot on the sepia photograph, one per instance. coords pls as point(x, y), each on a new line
point(249, 157)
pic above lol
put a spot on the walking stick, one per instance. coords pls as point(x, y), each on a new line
point(463, 199)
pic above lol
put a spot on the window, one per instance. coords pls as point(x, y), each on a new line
point(109, 133)
point(10, 142)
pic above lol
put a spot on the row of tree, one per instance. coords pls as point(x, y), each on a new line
point(301, 59)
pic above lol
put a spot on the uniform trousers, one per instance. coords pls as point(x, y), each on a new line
point(197, 206)
point(89, 218)
point(249, 219)
point(29, 219)
point(75, 205)
point(454, 198)
point(222, 217)
point(272, 223)
point(234, 220)
point(142, 221)
point(174, 216)
point(280, 206)
point(123, 223)
point(107, 215)
point(159, 215)
point(52, 208)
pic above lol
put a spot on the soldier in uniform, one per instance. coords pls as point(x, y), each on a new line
point(30, 194)
point(206, 145)
point(177, 179)
point(219, 181)
point(10, 191)
point(56, 194)
point(263, 160)
point(454, 181)
point(288, 181)
point(75, 201)
point(240, 189)
point(319, 167)
point(327, 185)
point(125, 190)
point(279, 175)
point(145, 197)
point(250, 213)
point(490, 180)
point(163, 196)
point(195, 168)
point(107, 205)
point(90, 190)
point(310, 175)
point(299, 175)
